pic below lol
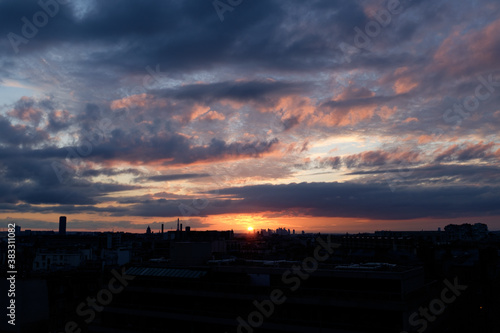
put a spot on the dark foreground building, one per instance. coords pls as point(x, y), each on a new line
point(215, 282)
point(240, 298)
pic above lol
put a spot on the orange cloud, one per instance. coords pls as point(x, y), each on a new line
point(404, 85)
point(212, 115)
point(137, 101)
point(350, 116)
point(409, 120)
point(198, 110)
point(290, 106)
point(425, 139)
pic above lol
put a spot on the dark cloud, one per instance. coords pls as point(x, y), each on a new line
point(23, 135)
point(165, 178)
point(149, 33)
point(435, 175)
point(238, 91)
point(291, 122)
point(35, 181)
point(366, 159)
point(357, 102)
point(25, 110)
point(58, 121)
point(374, 201)
point(174, 147)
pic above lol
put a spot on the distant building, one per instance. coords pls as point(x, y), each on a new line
point(113, 240)
point(466, 232)
point(53, 260)
point(148, 230)
point(114, 257)
point(62, 225)
point(279, 231)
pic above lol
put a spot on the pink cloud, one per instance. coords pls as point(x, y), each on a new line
point(467, 151)
point(463, 51)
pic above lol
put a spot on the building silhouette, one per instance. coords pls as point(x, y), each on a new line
point(62, 225)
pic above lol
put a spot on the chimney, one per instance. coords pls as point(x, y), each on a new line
point(162, 228)
point(177, 224)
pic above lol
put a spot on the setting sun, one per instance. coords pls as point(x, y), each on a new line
point(250, 229)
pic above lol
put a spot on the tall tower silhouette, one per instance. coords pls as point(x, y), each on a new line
point(62, 225)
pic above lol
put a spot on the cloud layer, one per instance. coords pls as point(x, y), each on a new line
point(145, 110)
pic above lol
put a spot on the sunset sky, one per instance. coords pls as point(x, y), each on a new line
point(331, 116)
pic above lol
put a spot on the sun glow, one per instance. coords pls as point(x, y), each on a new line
point(250, 229)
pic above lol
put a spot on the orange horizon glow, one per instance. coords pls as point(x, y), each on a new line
point(239, 223)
